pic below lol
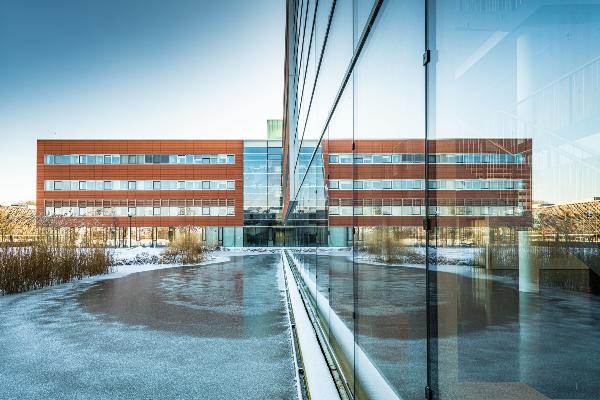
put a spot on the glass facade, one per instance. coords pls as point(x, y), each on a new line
point(262, 191)
point(441, 170)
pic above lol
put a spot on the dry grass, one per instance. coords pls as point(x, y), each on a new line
point(40, 265)
point(185, 250)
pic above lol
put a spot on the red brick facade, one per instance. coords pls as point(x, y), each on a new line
point(143, 172)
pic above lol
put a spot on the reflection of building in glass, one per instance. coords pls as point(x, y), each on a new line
point(381, 182)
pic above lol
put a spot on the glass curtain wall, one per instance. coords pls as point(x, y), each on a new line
point(445, 204)
point(515, 306)
point(262, 193)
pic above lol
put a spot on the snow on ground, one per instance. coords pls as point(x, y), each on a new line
point(123, 270)
point(129, 256)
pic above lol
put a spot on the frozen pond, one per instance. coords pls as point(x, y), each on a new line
point(210, 332)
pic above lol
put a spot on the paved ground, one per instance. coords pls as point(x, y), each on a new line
point(210, 332)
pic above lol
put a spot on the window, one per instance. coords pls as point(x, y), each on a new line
point(181, 159)
point(220, 185)
point(156, 185)
point(205, 210)
point(131, 211)
point(81, 185)
point(334, 184)
point(181, 185)
point(333, 158)
point(205, 185)
point(346, 185)
point(81, 159)
point(155, 210)
point(346, 158)
point(230, 210)
point(58, 185)
point(107, 160)
point(230, 185)
point(205, 160)
point(61, 159)
point(131, 185)
point(108, 185)
point(230, 159)
point(82, 211)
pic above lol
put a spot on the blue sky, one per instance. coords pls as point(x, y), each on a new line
point(133, 69)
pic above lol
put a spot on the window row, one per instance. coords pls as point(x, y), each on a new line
point(139, 185)
point(103, 159)
point(434, 184)
point(420, 210)
point(416, 158)
point(219, 211)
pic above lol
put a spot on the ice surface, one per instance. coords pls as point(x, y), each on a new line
point(198, 332)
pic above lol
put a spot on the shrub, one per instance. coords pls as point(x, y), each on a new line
point(184, 250)
point(28, 268)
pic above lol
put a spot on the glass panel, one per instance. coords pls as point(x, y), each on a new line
point(516, 108)
point(389, 266)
